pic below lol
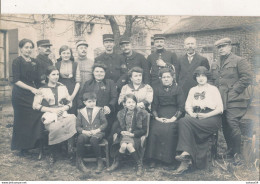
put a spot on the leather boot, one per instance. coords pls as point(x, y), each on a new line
point(100, 165)
point(80, 165)
point(139, 163)
point(116, 162)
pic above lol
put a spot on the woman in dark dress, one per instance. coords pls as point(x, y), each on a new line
point(167, 107)
point(106, 92)
point(27, 127)
point(69, 75)
point(204, 108)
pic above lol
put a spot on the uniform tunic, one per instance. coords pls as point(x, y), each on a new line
point(194, 133)
point(168, 57)
point(138, 60)
point(27, 127)
point(116, 67)
point(163, 137)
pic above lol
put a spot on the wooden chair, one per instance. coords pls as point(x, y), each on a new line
point(144, 138)
point(104, 145)
point(213, 147)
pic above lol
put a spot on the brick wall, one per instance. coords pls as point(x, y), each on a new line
point(247, 40)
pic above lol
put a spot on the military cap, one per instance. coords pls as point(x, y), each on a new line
point(159, 36)
point(81, 42)
point(108, 37)
point(43, 43)
point(124, 40)
point(223, 41)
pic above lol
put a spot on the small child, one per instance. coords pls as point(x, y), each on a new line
point(91, 124)
point(132, 125)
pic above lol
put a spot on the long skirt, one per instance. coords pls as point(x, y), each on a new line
point(70, 84)
point(27, 127)
point(62, 130)
point(162, 140)
point(194, 135)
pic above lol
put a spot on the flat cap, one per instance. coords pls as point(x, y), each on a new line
point(43, 43)
point(81, 42)
point(108, 37)
point(124, 40)
point(223, 41)
point(159, 36)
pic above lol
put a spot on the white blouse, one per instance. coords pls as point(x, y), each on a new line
point(204, 96)
point(143, 94)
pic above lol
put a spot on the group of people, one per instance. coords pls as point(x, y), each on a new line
point(115, 95)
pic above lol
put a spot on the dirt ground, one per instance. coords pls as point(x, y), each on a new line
point(29, 168)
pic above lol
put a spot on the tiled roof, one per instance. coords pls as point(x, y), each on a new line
point(203, 23)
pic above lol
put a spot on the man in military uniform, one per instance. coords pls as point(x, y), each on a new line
point(232, 75)
point(161, 59)
point(188, 63)
point(43, 59)
point(133, 59)
point(116, 66)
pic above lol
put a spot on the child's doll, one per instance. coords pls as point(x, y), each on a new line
point(132, 125)
point(91, 124)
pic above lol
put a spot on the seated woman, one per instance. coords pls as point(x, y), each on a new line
point(167, 108)
point(132, 126)
point(204, 107)
point(55, 101)
point(143, 92)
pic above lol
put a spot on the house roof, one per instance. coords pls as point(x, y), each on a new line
point(203, 23)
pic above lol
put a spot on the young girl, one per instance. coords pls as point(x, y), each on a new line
point(132, 125)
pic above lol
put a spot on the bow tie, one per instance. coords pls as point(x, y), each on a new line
point(201, 95)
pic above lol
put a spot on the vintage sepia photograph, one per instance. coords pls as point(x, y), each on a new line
point(108, 97)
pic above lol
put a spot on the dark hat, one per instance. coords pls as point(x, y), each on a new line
point(43, 43)
point(108, 37)
point(124, 40)
point(81, 42)
point(223, 41)
point(159, 36)
point(201, 70)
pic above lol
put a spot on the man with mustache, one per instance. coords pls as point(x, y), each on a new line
point(161, 59)
point(116, 66)
point(85, 64)
point(43, 58)
point(188, 63)
point(232, 75)
point(134, 59)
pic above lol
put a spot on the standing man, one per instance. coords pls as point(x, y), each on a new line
point(232, 75)
point(133, 59)
point(85, 64)
point(188, 63)
point(44, 50)
point(116, 66)
point(161, 59)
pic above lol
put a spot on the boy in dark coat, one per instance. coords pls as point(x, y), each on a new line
point(91, 124)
